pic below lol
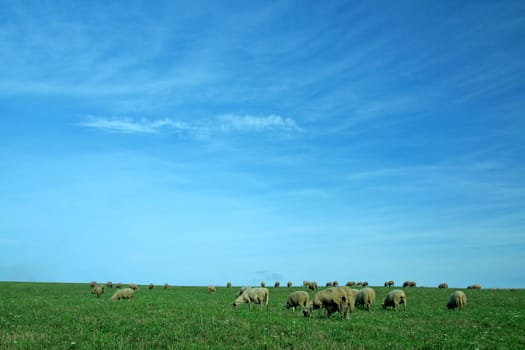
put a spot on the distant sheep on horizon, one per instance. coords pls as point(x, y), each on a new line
point(474, 286)
point(211, 289)
point(389, 283)
point(443, 285)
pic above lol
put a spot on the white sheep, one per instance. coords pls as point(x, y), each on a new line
point(98, 290)
point(299, 298)
point(351, 291)
point(211, 289)
point(125, 293)
point(394, 298)
point(253, 295)
point(242, 290)
point(474, 286)
point(366, 298)
point(389, 283)
point(443, 285)
point(331, 299)
point(457, 299)
point(289, 284)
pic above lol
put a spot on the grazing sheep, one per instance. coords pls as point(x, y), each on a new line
point(409, 284)
point(98, 290)
point(228, 285)
point(133, 286)
point(443, 285)
point(312, 285)
point(299, 298)
point(263, 284)
point(331, 299)
point(277, 284)
point(165, 286)
point(151, 285)
point(92, 284)
point(389, 283)
point(350, 283)
point(457, 299)
point(366, 298)
point(474, 286)
point(394, 298)
point(126, 293)
point(365, 284)
point(359, 284)
point(242, 290)
point(352, 292)
point(253, 295)
point(289, 284)
point(211, 289)
point(119, 285)
point(329, 284)
point(109, 284)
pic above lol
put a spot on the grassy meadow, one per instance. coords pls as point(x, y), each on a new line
point(67, 316)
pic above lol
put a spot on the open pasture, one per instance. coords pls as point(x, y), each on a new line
point(68, 316)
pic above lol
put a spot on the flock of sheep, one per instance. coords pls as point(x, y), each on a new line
point(333, 298)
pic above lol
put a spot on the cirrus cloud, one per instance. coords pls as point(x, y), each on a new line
point(230, 123)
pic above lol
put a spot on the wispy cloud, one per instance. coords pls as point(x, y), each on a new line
point(223, 124)
point(257, 123)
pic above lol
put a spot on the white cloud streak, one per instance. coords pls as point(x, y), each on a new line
point(223, 124)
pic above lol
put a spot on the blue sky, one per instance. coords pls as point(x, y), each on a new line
point(203, 142)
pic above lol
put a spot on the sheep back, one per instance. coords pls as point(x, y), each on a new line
point(458, 299)
point(299, 298)
point(125, 293)
point(394, 299)
point(366, 298)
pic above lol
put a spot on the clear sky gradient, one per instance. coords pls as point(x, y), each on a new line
point(200, 142)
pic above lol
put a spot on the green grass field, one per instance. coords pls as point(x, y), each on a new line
point(67, 316)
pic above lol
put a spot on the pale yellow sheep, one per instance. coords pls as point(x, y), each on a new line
point(299, 298)
point(457, 299)
point(125, 293)
point(331, 299)
point(98, 290)
point(366, 298)
point(253, 295)
point(394, 299)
